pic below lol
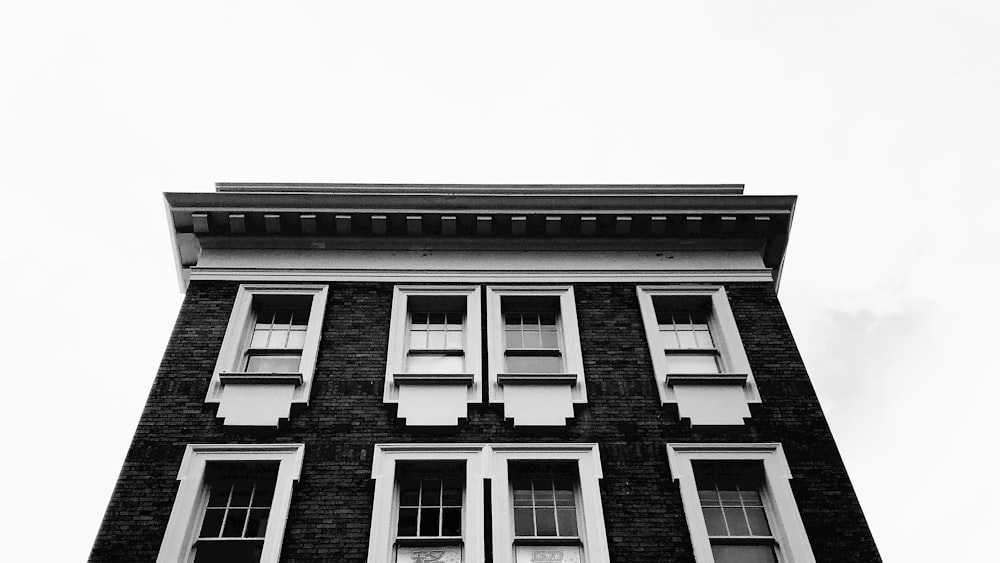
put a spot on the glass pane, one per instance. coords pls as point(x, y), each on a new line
point(714, 522)
point(257, 524)
point(409, 493)
point(669, 337)
point(436, 321)
point(758, 522)
point(743, 554)
point(709, 497)
point(434, 364)
point(435, 339)
point(259, 339)
point(704, 339)
point(567, 521)
point(235, 520)
point(418, 339)
point(514, 339)
point(212, 524)
point(737, 522)
point(686, 338)
point(418, 318)
point(432, 493)
point(451, 522)
point(728, 494)
point(750, 498)
point(543, 493)
point(219, 493)
point(263, 495)
point(522, 493)
point(454, 339)
point(229, 552)
point(279, 337)
point(241, 493)
point(273, 364)
point(532, 338)
point(523, 522)
point(407, 522)
point(296, 339)
point(534, 364)
point(691, 364)
point(564, 497)
point(545, 519)
point(429, 522)
point(452, 494)
point(550, 339)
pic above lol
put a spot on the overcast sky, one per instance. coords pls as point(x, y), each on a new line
point(882, 116)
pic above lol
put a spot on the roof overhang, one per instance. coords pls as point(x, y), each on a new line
point(438, 213)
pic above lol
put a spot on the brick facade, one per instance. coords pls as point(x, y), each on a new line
point(331, 507)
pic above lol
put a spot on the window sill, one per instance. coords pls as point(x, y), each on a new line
point(548, 540)
point(535, 378)
point(428, 541)
point(706, 379)
point(433, 378)
point(259, 378)
point(741, 540)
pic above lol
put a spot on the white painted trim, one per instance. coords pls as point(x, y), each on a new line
point(240, 325)
point(189, 504)
point(481, 276)
point(782, 511)
point(588, 460)
point(724, 330)
point(384, 463)
point(572, 352)
point(472, 337)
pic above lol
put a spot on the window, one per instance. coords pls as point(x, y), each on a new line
point(232, 503)
point(738, 503)
point(545, 503)
point(429, 503)
point(434, 353)
point(235, 518)
point(535, 359)
point(268, 355)
point(698, 358)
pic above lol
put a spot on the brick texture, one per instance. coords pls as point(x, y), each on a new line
point(331, 506)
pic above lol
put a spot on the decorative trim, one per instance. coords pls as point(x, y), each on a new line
point(763, 275)
point(783, 513)
point(185, 517)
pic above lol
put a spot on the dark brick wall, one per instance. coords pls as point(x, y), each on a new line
point(331, 507)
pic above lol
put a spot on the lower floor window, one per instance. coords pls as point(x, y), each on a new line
point(735, 516)
point(235, 519)
point(544, 507)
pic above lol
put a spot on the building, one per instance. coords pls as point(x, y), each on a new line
point(413, 373)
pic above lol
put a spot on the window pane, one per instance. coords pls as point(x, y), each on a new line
point(235, 520)
point(407, 522)
point(296, 339)
point(263, 495)
point(758, 522)
point(714, 522)
point(212, 524)
point(418, 339)
point(691, 364)
point(451, 522)
point(545, 521)
point(435, 339)
point(424, 363)
point(703, 339)
point(257, 524)
point(523, 522)
point(273, 364)
point(534, 364)
point(279, 338)
point(736, 521)
point(514, 339)
point(454, 339)
point(567, 521)
point(219, 493)
point(670, 341)
point(743, 554)
point(565, 497)
point(229, 552)
point(543, 493)
point(429, 521)
point(686, 338)
point(550, 339)
point(241, 493)
point(452, 494)
point(259, 339)
point(432, 493)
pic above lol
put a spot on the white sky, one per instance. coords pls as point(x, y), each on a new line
point(882, 116)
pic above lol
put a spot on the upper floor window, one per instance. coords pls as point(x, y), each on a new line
point(434, 354)
point(532, 336)
point(232, 503)
point(738, 503)
point(698, 358)
point(268, 355)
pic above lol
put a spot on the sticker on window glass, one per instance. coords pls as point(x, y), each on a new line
point(535, 554)
point(443, 554)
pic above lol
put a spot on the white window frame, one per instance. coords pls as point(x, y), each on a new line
point(590, 512)
point(734, 365)
point(229, 366)
point(569, 330)
point(395, 369)
point(792, 543)
point(382, 538)
point(192, 495)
